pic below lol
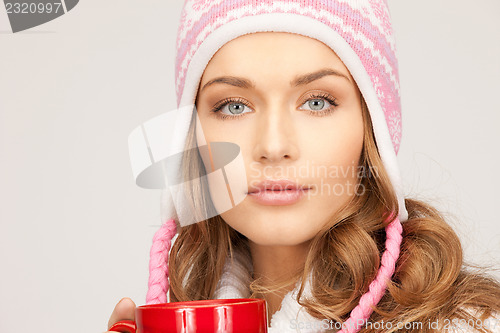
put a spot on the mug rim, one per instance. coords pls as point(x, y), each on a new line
point(207, 303)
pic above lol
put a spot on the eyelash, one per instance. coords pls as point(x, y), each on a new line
point(218, 107)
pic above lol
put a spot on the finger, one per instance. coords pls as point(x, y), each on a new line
point(125, 309)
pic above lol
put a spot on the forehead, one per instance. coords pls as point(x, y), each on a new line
point(272, 53)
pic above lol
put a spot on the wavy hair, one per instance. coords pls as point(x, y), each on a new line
point(432, 283)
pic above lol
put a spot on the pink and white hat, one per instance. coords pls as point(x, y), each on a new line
point(360, 33)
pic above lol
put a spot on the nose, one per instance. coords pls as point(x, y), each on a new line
point(275, 136)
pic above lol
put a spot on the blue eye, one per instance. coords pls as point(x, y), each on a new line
point(235, 107)
point(317, 102)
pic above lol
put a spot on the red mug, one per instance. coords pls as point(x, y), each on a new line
point(206, 316)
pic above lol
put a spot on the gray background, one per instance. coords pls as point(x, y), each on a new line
point(75, 231)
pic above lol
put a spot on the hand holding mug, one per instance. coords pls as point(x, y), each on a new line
point(123, 311)
point(238, 315)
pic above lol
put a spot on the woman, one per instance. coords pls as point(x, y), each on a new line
point(309, 92)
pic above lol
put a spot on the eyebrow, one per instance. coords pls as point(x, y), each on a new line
point(297, 81)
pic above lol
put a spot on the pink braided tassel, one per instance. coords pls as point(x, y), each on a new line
point(158, 263)
point(361, 313)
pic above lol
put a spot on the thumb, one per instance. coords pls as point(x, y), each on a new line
point(125, 309)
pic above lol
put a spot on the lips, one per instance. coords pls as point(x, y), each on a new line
point(276, 185)
point(277, 192)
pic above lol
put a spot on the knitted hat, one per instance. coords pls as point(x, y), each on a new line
point(358, 31)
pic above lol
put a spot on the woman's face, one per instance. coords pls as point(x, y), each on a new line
point(295, 111)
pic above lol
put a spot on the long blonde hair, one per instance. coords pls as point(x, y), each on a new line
point(431, 283)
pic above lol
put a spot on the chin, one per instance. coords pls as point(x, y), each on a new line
point(270, 226)
point(276, 236)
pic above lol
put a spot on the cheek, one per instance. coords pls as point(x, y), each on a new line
point(209, 130)
point(224, 196)
point(337, 144)
point(334, 155)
